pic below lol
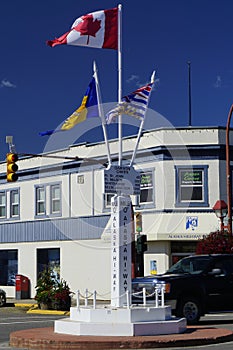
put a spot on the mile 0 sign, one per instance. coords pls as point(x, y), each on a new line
point(122, 180)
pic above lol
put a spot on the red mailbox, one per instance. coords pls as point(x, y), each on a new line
point(22, 287)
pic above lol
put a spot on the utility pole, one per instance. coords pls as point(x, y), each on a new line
point(189, 94)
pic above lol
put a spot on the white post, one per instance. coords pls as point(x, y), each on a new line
point(120, 81)
point(162, 296)
point(156, 297)
point(94, 299)
point(144, 295)
point(86, 297)
point(127, 299)
point(78, 298)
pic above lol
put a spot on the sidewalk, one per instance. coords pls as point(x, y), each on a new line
point(45, 338)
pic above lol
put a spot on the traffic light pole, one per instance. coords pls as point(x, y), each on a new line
point(139, 264)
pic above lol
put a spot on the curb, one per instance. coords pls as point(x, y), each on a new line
point(45, 338)
point(47, 312)
point(25, 305)
point(33, 309)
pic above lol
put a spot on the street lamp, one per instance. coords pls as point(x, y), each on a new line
point(220, 209)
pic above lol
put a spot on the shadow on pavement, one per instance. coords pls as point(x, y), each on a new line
point(9, 305)
point(214, 322)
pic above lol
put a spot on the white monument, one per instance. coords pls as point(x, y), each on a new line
point(120, 318)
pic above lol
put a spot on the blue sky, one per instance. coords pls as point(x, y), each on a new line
point(41, 86)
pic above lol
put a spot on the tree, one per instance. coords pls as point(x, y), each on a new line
point(218, 242)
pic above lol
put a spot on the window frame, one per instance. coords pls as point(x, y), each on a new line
point(192, 203)
point(37, 213)
point(4, 192)
point(51, 187)
point(8, 266)
point(12, 204)
point(43, 260)
point(152, 203)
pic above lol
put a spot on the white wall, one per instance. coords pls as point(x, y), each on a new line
point(158, 251)
point(84, 264)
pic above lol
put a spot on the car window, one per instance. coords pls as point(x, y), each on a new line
point(225, 265)
point(190, 265)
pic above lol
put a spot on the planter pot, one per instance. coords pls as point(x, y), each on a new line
point(63, 305)
point(43, 306)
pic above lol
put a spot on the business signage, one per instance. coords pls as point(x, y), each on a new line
point(191, 177)
point(122, 180)
point(146, 180)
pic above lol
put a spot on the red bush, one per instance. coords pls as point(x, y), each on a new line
point(219, 242)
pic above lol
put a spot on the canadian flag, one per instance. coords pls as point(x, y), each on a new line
point(97, 29)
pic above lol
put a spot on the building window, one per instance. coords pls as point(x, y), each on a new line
point(182, 249)
point(14, 203)
point(55, 194)
point(8, 267)
point(147, 188)
point(192, 186)
point(40, 201)
point(3, 204)
point(107, 200)
point(49, 258)
point(52, 206)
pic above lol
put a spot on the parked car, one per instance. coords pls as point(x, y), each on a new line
point(194, 286)
point(2, 297)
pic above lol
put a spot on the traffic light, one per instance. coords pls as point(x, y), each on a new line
point(141, 244)
point(138, 222)
point(12, 167)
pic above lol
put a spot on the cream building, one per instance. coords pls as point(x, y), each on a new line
point(57, 214)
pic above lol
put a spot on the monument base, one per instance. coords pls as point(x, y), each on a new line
point(109, 321)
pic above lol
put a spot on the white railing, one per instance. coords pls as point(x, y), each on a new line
point(143, 296)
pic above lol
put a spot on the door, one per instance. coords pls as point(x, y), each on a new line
point(219, 285)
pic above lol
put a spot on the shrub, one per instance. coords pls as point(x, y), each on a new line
point(219, 242)
point(45, 287)
point(61, 296)
point(56, 294)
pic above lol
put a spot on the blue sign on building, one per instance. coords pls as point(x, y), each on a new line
point(191, 222)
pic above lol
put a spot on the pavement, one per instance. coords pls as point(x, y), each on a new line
point(46, 339)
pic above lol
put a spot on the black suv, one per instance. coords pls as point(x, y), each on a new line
point(194, 285)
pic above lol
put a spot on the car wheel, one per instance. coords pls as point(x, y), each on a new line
point(2, 299)
point(190, 309)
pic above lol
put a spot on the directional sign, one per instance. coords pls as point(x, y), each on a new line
point(122, 180)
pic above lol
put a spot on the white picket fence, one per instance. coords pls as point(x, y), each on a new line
point(142, 296)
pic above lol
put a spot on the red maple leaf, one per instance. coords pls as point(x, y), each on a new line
point(89, 26)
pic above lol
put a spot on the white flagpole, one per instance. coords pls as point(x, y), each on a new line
point(119, 82)
point(100, 109)
point(141, 125)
